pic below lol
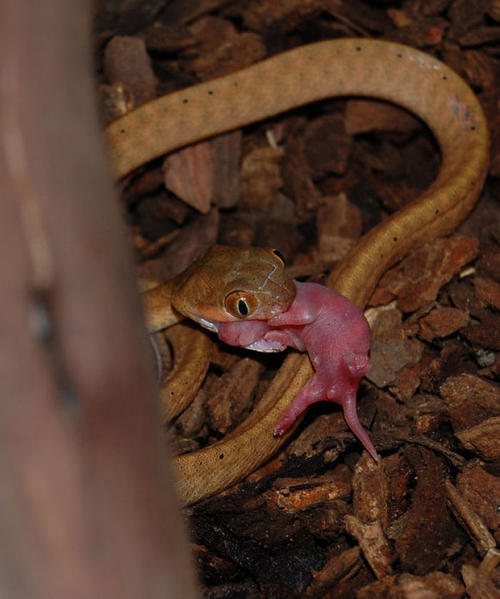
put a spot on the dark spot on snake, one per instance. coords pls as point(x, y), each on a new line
point(473, 128)
point(436, 211)
point(279, 254)
point(185, 101)
point(358, 48)
point(221, 457)
point(122, 130)
point(394, 239)
point(399, 55)
point(444, 77)
point(210, 92)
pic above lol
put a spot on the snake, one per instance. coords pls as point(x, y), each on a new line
point(368, 68)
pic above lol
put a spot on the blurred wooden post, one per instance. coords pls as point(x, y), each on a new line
point(86, 504)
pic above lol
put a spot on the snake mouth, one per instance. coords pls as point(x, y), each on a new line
point(206, 324)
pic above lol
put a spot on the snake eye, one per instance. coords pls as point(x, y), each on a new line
point(240, 304)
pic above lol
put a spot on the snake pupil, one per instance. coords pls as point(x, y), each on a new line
point(242, 307)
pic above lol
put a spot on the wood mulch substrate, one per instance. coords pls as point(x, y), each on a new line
point(321, 520)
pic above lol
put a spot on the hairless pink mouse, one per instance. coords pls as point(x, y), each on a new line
point(335, 334)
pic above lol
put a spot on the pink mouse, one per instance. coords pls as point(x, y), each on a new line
point(335, 334)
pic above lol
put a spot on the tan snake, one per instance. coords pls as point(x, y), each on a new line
point(358, 67)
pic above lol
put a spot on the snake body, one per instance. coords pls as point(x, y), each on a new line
point(359, 67)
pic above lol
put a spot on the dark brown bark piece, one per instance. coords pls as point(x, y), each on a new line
point(127, 62)
point(429, 532)
point(469, 400)
point(419, 277)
